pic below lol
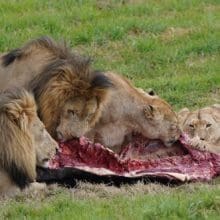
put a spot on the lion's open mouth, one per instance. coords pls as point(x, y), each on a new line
point(142, 158)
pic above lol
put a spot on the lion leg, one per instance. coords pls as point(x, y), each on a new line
point(112, 136)
point(204, 145)
point(35, 188)
point(211, 147)
point(7, 186)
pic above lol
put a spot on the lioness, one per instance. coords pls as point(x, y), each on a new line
point(24, 141)
point(127, 110)
point(203, 127)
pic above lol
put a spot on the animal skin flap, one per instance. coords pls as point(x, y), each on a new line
point(142, 158)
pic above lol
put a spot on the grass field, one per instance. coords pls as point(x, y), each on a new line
point(171, 46)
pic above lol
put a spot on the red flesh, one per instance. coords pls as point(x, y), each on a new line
point(142, 157)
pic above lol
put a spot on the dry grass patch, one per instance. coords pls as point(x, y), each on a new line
point(172, 33)
point(110, 52)
point(107, 4)
point(88, 191)
point(197, 61)
point(97, 191)
point(212, 8)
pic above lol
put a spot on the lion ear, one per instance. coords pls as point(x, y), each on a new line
point(183, 114)
point(151, 92)
point(23, 121)
point(12, 113)
point(17, 117)
point(216, 112)
point(151, 112)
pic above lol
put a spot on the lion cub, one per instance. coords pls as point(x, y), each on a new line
point(203, 126)
point(24, 142)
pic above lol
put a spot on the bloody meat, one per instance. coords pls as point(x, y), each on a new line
point(140, 158)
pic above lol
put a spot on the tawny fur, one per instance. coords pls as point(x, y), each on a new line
point(20, 66)
point(20, 138)
point(203, 127)
point(16, 145)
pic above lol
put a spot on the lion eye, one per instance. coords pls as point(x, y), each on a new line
point(208, 125)
point(71, 112)
point(191, 126)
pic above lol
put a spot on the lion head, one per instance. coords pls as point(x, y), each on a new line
point(161, 121)
point(203, 123)
point(68, 91)
point(80, 113)
point(24, 141)
point(155, 117)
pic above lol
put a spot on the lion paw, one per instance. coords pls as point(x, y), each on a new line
point(198, 144)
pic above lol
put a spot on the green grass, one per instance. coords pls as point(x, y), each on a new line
point(198, 201)
point(171, 46)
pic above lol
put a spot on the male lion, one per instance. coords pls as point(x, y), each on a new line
point(203, 127)
point(55, 75)
point(24, 141)
point(127, 110)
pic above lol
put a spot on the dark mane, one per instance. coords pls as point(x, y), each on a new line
point(18, 175)
point(60, 50)
point(75, 66)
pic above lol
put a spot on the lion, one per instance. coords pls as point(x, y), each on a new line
point(127, 110)
point(55, 75)
point(75, 100)
point(203, 127)
point(24, 141)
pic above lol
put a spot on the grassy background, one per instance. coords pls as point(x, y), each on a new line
point(192, 201)
point(171, 46)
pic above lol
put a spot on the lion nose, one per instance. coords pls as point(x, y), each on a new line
point(56, 146)
point(57, 150)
